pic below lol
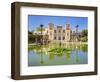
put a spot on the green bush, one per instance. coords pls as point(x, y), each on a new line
point(84, 39)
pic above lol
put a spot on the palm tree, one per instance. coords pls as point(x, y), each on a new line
point(41, 26)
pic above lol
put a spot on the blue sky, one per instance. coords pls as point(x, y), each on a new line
point(34, 21)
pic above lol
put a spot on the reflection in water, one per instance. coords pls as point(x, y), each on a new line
point(55, 54)
point(51, 56)
point(42, 59)
point(68, 55)
point(76, 56)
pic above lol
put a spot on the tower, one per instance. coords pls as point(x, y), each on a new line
point(59, 33)
point(68, 32)
point(51, 31)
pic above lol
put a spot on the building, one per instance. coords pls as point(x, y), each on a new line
point(59, 33)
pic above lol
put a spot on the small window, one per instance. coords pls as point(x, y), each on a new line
point(59, 38)
point(63, 31)
point(59, 31)
point(54, 31)
point(51, 28)
point(63, 38)
point(67, 34)
point(50, 33)
point(55, 38)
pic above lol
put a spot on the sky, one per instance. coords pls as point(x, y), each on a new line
point(35, 21)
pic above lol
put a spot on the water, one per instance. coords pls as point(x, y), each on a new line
point(57, 54)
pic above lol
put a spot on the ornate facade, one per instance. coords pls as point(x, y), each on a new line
point(58, 33)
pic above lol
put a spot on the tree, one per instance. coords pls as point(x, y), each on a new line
point(36, 38)
point(84, 37)
point(31, 38)
point(40, 28)
point(29, 32)
point(84, 32)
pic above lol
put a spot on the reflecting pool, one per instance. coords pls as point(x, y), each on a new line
point(57, 54)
